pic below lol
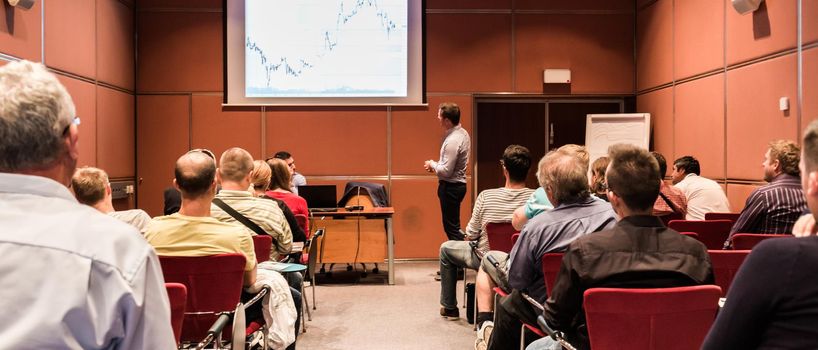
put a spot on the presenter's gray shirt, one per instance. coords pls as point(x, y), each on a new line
point(454, 155)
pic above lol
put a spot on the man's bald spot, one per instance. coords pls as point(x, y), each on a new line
point(235, 164)
point(195, 172)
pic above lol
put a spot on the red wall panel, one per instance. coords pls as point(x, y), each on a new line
point(417, 134)
point(116, 132)
point(22, 39)
point(179, 4)
point(169, 41)
point(700, 123)
point(659, 104)
point(810, 28)
point(810, 86)
point(737, 195)
point(115, 43)
point(654, 54)
point(162, 129)
point(753, 117)
point(85, 101)
point(772, 28)
point(698, 36)
point(70, 42)
point(597, 43)
point(330, 142)
point(576, 5)
point(417, 224)
point(468, 4)
point(218, 129)
point(473, 55)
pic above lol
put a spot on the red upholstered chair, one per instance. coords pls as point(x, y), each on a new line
point(670, 217)
point(551, 264)
point(177, 295)
point(733, 217)
point(654, 318)
point(499, 235)
point(214, 285)
point(746, 241)
point(303, 223)
point(691, 234)
point(263, 245)
point(712, 233)
point(725, 265)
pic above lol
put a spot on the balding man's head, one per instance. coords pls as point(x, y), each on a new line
point(195, 173)
point(235, 164)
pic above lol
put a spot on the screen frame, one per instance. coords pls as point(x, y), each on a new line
point(233, 93)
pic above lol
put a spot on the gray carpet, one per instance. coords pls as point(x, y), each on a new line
point(365, 313)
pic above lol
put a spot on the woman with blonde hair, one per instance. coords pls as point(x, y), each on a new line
point(259, 183)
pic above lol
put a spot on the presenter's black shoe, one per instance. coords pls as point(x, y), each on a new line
point(451, 314)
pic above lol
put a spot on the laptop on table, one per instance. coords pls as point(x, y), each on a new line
point(319, 197)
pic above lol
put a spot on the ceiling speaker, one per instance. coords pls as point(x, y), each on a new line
point(23, 4)
point(746, 6)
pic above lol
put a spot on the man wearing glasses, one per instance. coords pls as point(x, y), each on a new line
point(81, 279)
point(298, 179)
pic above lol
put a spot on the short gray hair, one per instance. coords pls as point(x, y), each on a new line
point(35, 110)
point(565, 175)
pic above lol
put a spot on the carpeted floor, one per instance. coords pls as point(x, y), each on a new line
point(366, 313)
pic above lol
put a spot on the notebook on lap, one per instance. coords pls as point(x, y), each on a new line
point(319, 197)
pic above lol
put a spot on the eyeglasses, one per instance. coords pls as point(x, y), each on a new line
point(206, 151)
point(75, 121)
point(291, 164)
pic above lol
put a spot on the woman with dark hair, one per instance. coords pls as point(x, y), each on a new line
point(280, 188)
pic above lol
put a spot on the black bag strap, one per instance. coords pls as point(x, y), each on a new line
point(670, 203)
point(240, 218)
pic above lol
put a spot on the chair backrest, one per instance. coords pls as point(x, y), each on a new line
point(712, 233)
point(691, 234)
point(670, 217)
point(499, 235)
point(514, 239)
point(551, 263)
point(177, 295)
point(213, 283)
point(263, 245)
point(725, 265)
point(746, 241)
point(654, 318)
point(733, 217)
point(303, 223)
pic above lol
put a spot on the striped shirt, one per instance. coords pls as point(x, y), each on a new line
point(494, 205)
point(772, 208)
point(454, 155)
point(263, 212)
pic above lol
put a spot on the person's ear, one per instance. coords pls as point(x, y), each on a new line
point(108, 190)
point(218, 178)
point(812, 184)
point(176, 186)
point(71, 140)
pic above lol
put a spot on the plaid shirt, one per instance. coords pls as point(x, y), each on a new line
point(263, 212)
point(772, 208)
point(675, 195)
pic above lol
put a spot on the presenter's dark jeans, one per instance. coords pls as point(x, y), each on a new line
point(451, 194)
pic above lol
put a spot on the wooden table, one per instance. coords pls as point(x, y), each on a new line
point(356, 241)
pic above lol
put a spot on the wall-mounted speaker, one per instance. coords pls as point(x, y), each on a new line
point(746, 6)
point(23, 4)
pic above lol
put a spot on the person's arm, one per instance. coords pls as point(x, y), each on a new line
point(754, 210)
point(519, 219)
point(758, 286)
point(247, 248)
point(474, 227)
point(523, 263)
point(145, 320)
point(805, 226)
point(448, 159)
point(297, 231)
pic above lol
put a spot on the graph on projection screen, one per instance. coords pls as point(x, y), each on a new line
point(321, 48)
point(604, 130)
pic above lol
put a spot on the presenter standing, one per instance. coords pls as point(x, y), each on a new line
point(451, 168)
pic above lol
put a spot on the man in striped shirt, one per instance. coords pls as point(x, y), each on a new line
point(774, 207)
point(492, 205)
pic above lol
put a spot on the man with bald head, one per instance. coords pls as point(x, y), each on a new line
point(234, 170)
point(72, 276)
point(192, 231)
